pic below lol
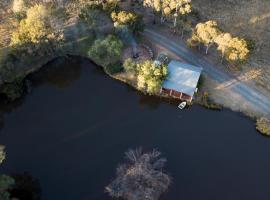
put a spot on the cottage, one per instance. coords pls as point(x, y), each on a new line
point(182, 80)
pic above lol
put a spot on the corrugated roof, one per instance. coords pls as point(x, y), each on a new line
point(182, 77)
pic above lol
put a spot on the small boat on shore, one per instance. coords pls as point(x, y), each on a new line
point(182, 105)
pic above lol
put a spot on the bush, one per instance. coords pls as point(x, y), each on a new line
point(14, 90)
point(107, 50)
point(132, 21)
point(263, 126)
point(114, 68)
point(130, 66)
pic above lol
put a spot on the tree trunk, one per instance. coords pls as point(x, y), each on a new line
point(175, 22)
point(182, 34)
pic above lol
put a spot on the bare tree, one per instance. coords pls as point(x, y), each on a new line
point(142, 177)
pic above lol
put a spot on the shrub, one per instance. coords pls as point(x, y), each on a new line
point(130, 66)
point(107, 50)
point(14, 90)
point(263, 126)
point(133, 21)
point(114, 68)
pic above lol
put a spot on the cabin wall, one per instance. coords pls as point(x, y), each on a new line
point(176, 94)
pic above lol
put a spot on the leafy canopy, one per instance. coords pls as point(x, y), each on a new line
point(107, 50)
point(150, 76)
point(36, 30)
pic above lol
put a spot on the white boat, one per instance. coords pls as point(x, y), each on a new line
point(182, 105)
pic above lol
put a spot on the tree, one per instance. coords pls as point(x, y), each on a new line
point(238, 50)
point(169, 7)
point(223, 41)
point(90, 16)
point(150, 76)
point(206, 33)
point(142, 177)
point(36, 32)
point(107, 50)
point(2, 154)
point(132, 20)
point(18, 6)
point(130, 66)
point(6, 182)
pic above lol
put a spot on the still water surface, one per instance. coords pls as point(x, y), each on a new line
point(72, 130)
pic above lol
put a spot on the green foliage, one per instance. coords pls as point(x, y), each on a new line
point(130, 66)
point(133, 21)
point(107, 50)
point(205, 101)
point(263, 126)
point(90, 15)
point(114, 68)
point(14, 90)
point(36, 33)
point(150, 77)
point(2, 153)
point(6, 183)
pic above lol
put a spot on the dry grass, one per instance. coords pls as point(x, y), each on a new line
point(249, 19)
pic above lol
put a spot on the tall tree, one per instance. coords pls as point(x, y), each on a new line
point(37, 33)
point(166, 8)
point(238, 50)
point(206, 33)
point(222, 42)
point(131, 20)
point(150, 77)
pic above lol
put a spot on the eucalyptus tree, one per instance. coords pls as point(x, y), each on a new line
point(168, 8)
point(238, 50)
point(206, 33)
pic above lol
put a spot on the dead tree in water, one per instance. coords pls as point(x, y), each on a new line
point(141, 178)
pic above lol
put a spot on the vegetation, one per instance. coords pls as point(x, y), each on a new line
point(130, 66)
point(169, 8)
point(149, 76)
point(36, 33)
point(234, 49)
point(6, 183)
point(14, 90)
point(2, 154)
point(142, 177)
point(133, 21)
point(263, 126)
point(206, 33)
point(107, 50)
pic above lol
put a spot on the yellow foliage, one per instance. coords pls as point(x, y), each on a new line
point(34, 28)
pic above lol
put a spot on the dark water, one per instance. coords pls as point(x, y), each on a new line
point(72, 130)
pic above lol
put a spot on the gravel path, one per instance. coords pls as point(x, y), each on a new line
point(248, 99)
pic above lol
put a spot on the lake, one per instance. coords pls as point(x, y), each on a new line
point(72, 130)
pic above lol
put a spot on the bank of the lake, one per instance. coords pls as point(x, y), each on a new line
point(71, 132)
